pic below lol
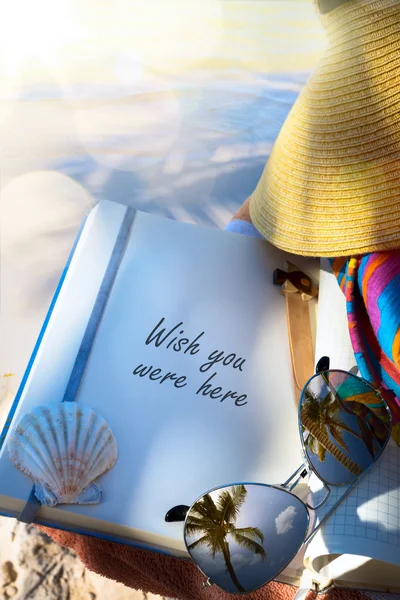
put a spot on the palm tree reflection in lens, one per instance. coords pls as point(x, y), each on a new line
point(214, 521)
point(232, 554)
point(334, 404)
point(321, 419)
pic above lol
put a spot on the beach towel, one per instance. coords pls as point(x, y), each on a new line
point(171, 577)
point(371, 285)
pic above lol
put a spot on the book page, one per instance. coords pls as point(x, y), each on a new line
point(196, 309)
point(364, 531)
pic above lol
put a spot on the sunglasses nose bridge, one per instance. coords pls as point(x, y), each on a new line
point(299, 474)
point(322, 502)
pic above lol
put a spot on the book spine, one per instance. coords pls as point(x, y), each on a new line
point(33, 505)
point(40, 337)
point(98, 309)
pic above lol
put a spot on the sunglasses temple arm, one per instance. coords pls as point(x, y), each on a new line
point(331, 511)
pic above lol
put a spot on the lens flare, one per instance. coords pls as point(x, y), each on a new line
point(36, 30)
point(169, 36)
point(130, 133)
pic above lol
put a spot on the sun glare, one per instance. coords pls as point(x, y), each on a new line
point(166, 35)
point(35, 30)
point(170, 34)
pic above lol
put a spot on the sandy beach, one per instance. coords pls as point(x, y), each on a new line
point(32, 566)
point(142, 114)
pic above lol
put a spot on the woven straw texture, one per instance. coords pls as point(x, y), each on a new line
point(331, 186)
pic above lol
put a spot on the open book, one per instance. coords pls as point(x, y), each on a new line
point(190, 366)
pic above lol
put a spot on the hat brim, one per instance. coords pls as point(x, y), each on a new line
point(331, 186)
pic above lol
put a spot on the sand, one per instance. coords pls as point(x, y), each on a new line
point(33, 566)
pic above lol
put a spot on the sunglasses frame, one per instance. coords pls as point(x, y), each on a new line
point(366, 383)
point(307, 462)
point(209, 582)
point(306, 468)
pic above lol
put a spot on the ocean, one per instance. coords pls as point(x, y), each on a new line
point(170, 106)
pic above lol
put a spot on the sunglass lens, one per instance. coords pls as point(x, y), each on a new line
point(243, 536)
point(345, 424)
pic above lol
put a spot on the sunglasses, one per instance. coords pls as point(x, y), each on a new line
point(242, 536)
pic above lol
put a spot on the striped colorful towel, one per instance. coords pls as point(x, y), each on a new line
point(371, 285)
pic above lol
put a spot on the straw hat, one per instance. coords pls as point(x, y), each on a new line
point(331, 186)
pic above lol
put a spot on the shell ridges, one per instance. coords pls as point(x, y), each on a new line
point(63, 448)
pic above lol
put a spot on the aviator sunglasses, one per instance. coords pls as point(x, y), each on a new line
point(243, 535)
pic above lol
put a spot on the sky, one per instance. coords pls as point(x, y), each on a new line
point(283, 520)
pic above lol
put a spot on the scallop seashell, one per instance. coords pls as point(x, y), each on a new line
point(63, 448)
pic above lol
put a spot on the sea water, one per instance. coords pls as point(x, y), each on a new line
point(173, 108)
